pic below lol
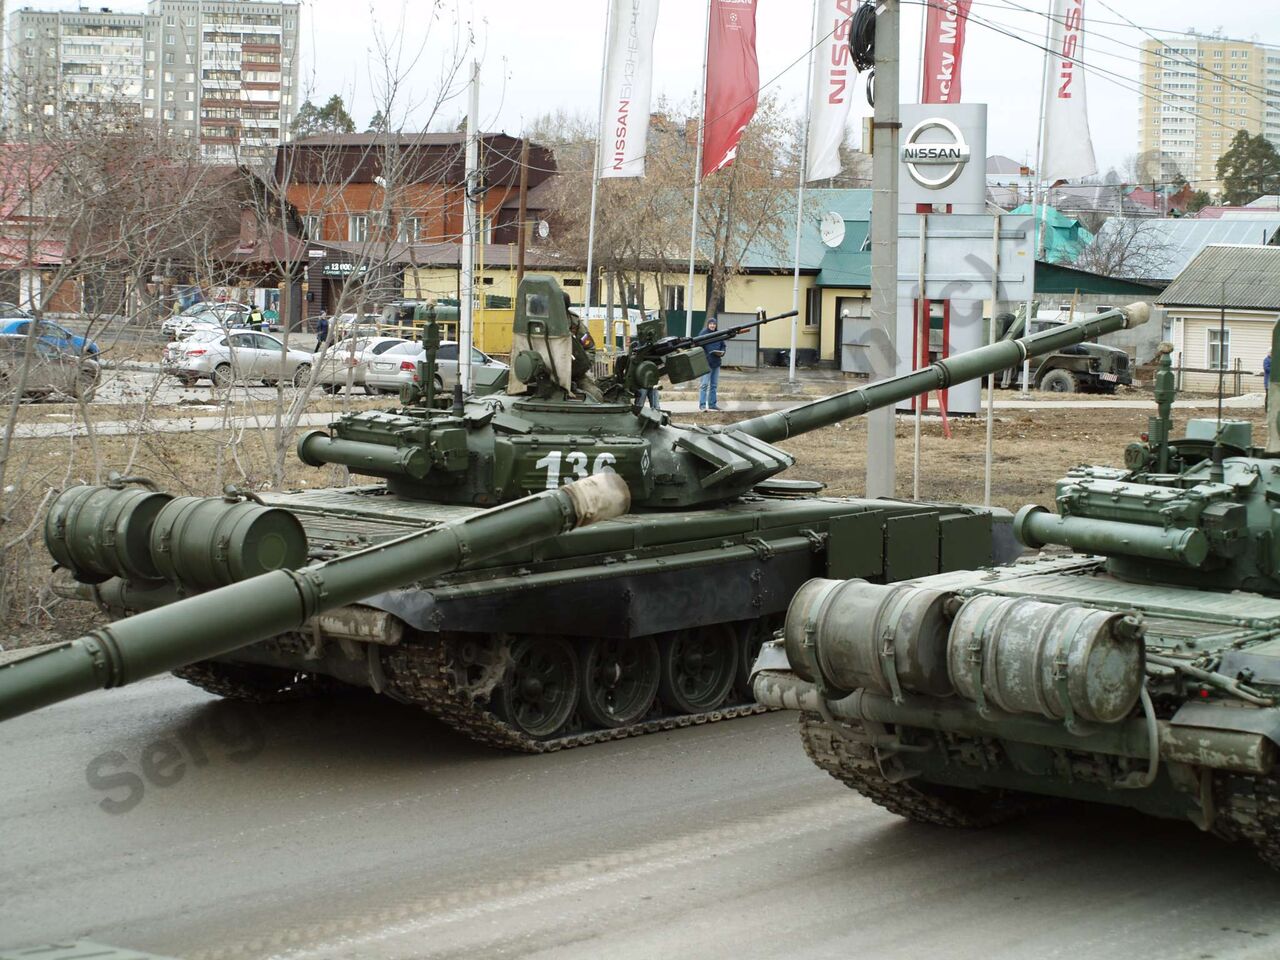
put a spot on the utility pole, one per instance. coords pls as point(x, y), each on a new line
point(524, 210)
point(886, 133)
point(470, 232)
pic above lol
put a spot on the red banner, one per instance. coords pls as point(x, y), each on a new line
point(733, 81)
point(943, 50)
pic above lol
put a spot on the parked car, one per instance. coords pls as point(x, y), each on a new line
point(50, 333)
point(50, 370)
point(213, 313)
point(234, 357)
point(353, 355)
point(398, 366)
point(9, 310)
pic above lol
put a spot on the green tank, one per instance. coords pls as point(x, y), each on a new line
point(1142, 672)
point(644, 623)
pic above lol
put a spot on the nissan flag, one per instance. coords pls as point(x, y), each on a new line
point(1068, 149)
point(733, 81)
point(943, 50)
point(831, 89)
point(628, 87)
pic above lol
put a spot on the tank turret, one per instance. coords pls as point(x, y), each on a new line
point(205, 543)
point(1142, 670)
point(550, 427)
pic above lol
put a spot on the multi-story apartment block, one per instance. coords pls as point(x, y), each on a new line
point(222, 73)
point(1196, 93)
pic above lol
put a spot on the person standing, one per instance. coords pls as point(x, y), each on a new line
point(322, 332)
point(711, 379)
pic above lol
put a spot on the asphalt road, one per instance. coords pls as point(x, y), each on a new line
point(362, 829)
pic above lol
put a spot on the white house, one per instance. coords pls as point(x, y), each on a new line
point(1222, 309)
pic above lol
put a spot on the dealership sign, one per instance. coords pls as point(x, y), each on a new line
point(935, 165)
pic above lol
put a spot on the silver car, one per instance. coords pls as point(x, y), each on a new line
point(235, 357)
point(50, 371)
point(398, 366)
point(353, 356)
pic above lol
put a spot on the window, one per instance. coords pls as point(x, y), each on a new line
point(409, 230)
point(1219, 350)
point(813, 308)
point(358, 227)
point(311, 226)
point(673, 297)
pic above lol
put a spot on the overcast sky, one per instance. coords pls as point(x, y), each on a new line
point(539, 55)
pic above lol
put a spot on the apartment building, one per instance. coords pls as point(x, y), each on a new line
point(1197, 92)
point(222, 73)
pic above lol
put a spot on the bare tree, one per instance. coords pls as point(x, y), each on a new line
point(1126, 247)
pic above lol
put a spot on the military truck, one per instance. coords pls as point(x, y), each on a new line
point(1086, 367)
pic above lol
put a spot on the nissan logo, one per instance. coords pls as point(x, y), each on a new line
point(951, 155)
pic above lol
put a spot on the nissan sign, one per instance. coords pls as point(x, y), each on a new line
point(935, 163)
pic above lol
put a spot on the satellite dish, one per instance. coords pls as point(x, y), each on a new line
point(831, 228)
point(544, 229)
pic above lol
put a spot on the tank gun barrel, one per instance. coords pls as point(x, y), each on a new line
point(217, 622)
point(969, 365)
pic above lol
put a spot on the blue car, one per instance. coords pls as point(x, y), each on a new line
point(50, 333)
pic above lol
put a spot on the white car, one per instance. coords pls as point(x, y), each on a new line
point(398, 366)
point(212, 314)
point(235, 357)
point(353, 355)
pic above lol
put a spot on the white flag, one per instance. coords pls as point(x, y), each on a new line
point(628, 87)
point(1068, 149)
point(831, 91)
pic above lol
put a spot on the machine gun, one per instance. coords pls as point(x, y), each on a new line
point(679, 359)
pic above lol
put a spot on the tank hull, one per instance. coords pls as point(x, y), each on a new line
point(961, 760)
point(717, 578)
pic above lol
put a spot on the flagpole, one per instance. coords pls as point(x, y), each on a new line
point(804, 163)
point(697, 178)
point(589, 299)
point(1035, 198)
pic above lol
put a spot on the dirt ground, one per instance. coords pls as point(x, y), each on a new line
point(1033, 448)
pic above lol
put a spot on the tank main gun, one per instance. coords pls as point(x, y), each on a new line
point(488, 449)
point(276, 602)
point(970, 365)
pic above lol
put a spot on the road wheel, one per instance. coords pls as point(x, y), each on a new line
point(619, 680)
point(751, 637)
point(540, 691)
point(698, 668)
point(439, 384)
point(1060, 381)
point(302, 375)
point(222, 376)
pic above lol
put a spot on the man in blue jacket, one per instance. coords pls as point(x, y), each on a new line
point(710, 380)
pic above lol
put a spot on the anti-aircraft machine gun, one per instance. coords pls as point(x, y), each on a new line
point(1143, 673)
point(642, 623)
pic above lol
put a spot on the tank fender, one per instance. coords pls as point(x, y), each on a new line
point(1263, 721)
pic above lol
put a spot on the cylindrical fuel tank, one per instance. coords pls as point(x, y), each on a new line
point(856, 634)
point(1056, 660)
point(207, 542)
point(102, 532)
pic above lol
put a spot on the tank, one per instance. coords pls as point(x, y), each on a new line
point(643, 623)
point(1133, 660)
point(244, 552)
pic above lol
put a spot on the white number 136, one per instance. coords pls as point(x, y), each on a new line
point(556, 462)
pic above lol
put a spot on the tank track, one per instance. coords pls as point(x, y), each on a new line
point(253, 684)
point(1249, 812)
point(843, 749)
point(423, 675)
